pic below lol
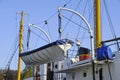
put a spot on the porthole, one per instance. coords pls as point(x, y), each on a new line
point(56, 66)
point(84, 74)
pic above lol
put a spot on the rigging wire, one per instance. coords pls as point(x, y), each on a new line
point(55, 13)
point(90, 11)
point(46, 23)
point(36, 34)
point(59, 25)
point(28, 33)
point(110, 23)
point(31, 31)
point(39, 36)
point(24, 45)
point(66, 3)
point(11, 58)
point(49, 18)
point(74, 22)
point(71, 15)
point(28, 37)
point(71, 20)
point(14, 44)
point(25, 37)
point(109, 19)
point(59, 30)
point(81, 20)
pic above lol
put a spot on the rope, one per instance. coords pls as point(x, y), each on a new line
point(110, 23)
point(81, 21)
point(49, 18)
point(90, 11)
point(71, 16)
point(46, 23)
point(66, 3)
point(10, 60)
point(28, 37)
point(57, 12)
point(24, 42)
point(59, 25)
point(74, 22)
point(15, 43)
point(39, 36)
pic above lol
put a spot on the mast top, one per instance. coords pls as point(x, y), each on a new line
point(97, 24)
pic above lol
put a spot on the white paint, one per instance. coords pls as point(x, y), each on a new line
point(43, 72)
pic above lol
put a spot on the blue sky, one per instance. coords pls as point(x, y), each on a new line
point(40, 10)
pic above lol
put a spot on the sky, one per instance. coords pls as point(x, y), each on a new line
point(39, 11)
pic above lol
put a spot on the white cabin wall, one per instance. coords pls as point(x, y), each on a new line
point(58, 76)
point(105, 73)
point(114, 68)
point(43, 72)
point(69, 76)
point(79, 74)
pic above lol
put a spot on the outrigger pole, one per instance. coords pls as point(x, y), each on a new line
point(20, 46)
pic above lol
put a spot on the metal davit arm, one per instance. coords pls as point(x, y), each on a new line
point(33, 25)
point(91, 36)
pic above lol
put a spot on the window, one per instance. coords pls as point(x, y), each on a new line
point(84, 74)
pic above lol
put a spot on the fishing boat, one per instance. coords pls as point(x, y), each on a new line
point(97, 62)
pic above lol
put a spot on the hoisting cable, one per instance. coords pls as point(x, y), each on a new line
point(81, 21)
point(74, 22)
point(59, 25)
point(57, 12)
point(66, 3)
point(59, 20)
point(46, 23)
point(110, 23)
point(59, 30)
point(28, 37)
point(71, 15)
point(38, 36)
point(67, 21)
point(88, 20)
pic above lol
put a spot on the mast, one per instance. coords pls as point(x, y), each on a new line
point(97, 24)
point(97, 31)
point(20, 46)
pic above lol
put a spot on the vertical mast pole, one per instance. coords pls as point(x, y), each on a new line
point(97, 30)
point(20, 46)
point(97, 23)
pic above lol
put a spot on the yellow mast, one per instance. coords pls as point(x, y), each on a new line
point(20, 46)
point(97, 30)
point(97, 22)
